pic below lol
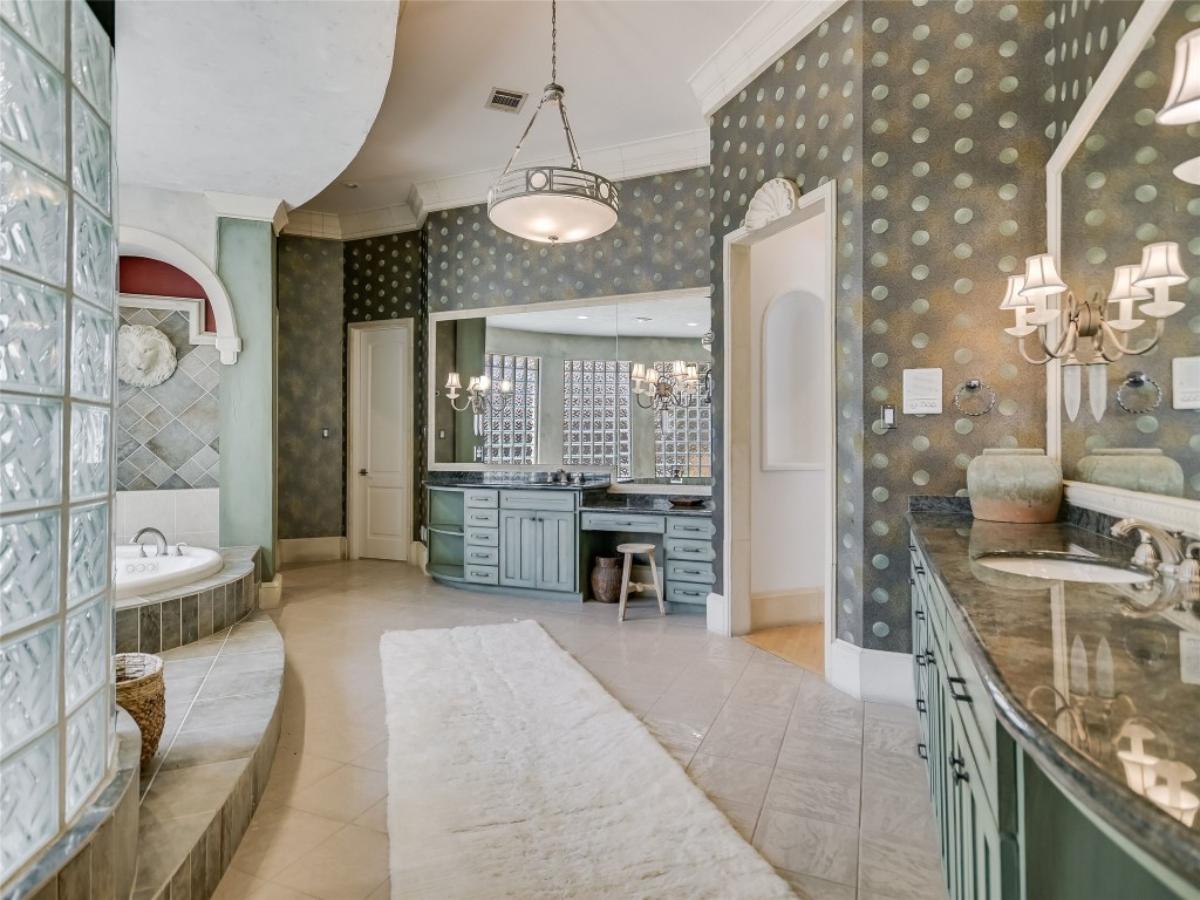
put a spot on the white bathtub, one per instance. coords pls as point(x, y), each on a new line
point(135, 575)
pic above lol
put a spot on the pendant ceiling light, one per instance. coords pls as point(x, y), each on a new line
point(553, 204)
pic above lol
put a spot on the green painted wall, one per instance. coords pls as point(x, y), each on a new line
point(246, 265)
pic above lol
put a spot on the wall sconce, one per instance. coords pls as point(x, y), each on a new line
point(1182, 106)
point(479, 396)
point(1089, 337)
point(683, 385)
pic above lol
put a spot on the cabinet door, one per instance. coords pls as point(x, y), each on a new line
point(981, 839)
point(556, 551)
point(518, 548)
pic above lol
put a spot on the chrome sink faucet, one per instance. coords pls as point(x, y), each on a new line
point(1161, 550)
point(160, 541)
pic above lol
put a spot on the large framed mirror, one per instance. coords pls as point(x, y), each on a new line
point(620, 385)
point(1124, 177)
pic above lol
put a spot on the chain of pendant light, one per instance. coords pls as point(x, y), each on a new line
point(554, 92)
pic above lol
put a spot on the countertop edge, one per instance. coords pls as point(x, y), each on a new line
point(1089, 786)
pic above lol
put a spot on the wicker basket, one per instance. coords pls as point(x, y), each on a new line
point(142, 693)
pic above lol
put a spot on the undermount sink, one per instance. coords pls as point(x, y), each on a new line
point(1065, 567)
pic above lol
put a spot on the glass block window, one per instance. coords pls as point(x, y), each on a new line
point(596, 414)
point(57, 344)
point(510, 429)
point(683, 437)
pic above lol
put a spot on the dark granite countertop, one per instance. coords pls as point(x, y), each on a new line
point(510, 480)
point(650, 503)
point(1116, 655)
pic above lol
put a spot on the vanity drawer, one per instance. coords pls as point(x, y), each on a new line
point(692, 572)
point(683, 592)
point(549, 501)
point(694, 527)
point(683, 548)
point(483, 537)
point(487, 556)
point(481, 574)
point(481, 499)
point(604, 521)
point(487, 517)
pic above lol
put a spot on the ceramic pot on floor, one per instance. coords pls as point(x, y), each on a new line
point(606, 579)
point(1014, 486)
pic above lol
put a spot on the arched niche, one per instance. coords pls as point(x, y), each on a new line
point(140, 242)
point(794, 408)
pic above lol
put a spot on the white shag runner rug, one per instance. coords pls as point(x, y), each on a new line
point(513, 773)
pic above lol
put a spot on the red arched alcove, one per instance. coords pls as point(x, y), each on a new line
point(142, 275)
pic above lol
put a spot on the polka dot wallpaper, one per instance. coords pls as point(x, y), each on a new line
point(1119, 193)
point(801, 119)
point(954, 187)
point(1082, 38)
point(311, 390)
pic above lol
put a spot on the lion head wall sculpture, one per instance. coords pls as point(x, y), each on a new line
point(145, 356)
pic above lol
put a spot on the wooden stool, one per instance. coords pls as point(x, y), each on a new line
point(631, 550)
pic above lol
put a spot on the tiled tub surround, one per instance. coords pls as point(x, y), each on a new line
point(190, 516)
point(192, 612)
point(1009, 625)
point(96, 857)
point(168, 434)
point(199, 791)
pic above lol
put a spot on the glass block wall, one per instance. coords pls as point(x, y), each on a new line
point(57, 339)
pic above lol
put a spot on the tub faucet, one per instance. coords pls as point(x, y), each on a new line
point(160, 541)
point(1160, 550)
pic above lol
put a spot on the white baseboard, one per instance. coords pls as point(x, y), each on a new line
point(418, 555)
point(798, 606)
point(318, 549)
point(270, 593)
point(876, 675)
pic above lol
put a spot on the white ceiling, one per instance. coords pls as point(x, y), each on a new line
point(625, 65)
point(253, 97)
point(683, 317)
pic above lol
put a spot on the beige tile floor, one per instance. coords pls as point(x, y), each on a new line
point(827, 788)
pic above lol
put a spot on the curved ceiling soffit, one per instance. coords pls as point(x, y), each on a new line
point(151, 244)
point(253, 98)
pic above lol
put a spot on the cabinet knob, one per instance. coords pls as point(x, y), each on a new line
point(921, 708)
point(920, 615)
point(362, 471)
point(922, 751)
point(958, 765)
point(956, 682)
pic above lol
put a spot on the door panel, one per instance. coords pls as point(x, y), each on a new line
point(556, 551)
point(381, 444)
point(518, 548)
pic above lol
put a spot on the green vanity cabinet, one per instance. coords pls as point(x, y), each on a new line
point(537, 550)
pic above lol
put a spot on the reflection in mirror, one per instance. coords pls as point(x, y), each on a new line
point(1121, 192)
point(623, 387)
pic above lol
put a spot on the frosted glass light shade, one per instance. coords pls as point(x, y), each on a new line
point(553, 205)
point(1188, 170)
point(1183, 99)
point(1041, 277)
point(1072, 387)
point(1161, 266)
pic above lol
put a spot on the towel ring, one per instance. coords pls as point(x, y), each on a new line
point(1137, 381)
point(974, 387)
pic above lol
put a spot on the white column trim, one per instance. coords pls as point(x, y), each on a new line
point(247, 206)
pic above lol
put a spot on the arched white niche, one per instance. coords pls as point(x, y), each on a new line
point(150, 244)
point(793, 415)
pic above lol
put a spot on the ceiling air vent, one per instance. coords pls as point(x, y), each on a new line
point(505, 101)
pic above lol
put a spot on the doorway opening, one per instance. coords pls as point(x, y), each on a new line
point(379, 469)
point(780, 432)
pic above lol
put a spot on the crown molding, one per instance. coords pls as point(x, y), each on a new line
point(760, 40)
point(247, 206)
point(636, 159)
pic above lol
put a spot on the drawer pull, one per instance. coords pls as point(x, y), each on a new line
point(958, 766)
point(912, 548)
point(692, 571)
point(956, 681)
point(919, 569)
point(689, 528)
point(922, 659)
point(920, 614)
point(922, 751)
point(921, 706)
point(930, 658)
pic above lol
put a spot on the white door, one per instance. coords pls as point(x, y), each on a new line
point(381, 442)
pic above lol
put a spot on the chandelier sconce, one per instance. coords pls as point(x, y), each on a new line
point(684, 386)
point(479, 396)
point(1090, 336)
point(553, 204)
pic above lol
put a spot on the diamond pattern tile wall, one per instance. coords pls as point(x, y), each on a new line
point(167, 435)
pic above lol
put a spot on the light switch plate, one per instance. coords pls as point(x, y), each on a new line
point(1185, 382)
point(922, 392)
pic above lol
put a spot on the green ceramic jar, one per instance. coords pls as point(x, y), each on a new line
point(1014, 486)
point(1134, 469)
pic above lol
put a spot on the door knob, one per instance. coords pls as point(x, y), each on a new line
point(362, 471)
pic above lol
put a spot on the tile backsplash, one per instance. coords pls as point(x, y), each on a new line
point(168, 435)
point(190, 516)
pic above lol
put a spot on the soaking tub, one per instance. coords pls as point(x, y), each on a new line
point(135, 575)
